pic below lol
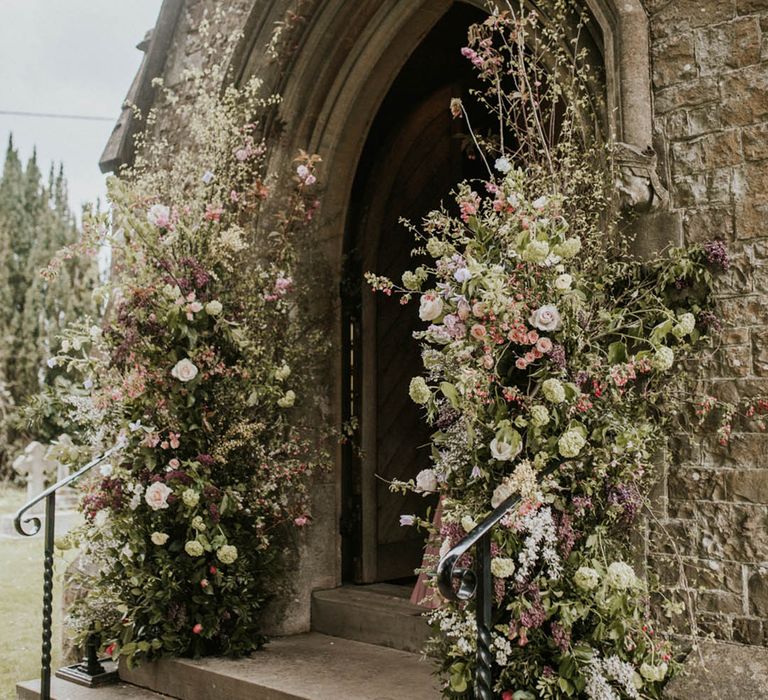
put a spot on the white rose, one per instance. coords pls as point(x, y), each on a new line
point(159, 538)
point(184, 370)
point(157, 496)
point(563, 282)
point(504, 451)
point(287, 399)
point(430, 308)
point(468, 524)
point(540, 202)
point(503, 165)
point(545, 318)
point(426, 481)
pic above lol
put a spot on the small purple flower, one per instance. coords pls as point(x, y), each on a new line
point(717, 254)
point(407, 520)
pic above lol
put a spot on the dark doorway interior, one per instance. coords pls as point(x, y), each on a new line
point(414, 155)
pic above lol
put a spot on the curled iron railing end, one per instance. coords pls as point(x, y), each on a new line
point(35, 522)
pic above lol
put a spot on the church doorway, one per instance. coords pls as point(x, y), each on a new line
point(415, 154)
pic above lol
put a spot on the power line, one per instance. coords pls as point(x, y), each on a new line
point(47, 115)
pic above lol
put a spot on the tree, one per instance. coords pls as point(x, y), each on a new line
point(35, 222)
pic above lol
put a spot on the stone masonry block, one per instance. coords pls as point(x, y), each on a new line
point(751, 181)
point(707, 223)
point(749, 485)
point(691, 94)
point(707, 152)
point(755, 142)
point(746, 7)
point(758, 592)
point(674, 61)
point(702, 120)
point(760, 352)
point(711, 187)
point(731, 45)
point(748, 630)
point(745, 96)
point(682, 15)
point(697, 484)
point(751, 218)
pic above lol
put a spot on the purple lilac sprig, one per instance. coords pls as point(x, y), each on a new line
point(717, 254)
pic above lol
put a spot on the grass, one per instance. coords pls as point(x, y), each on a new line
point(21, 600)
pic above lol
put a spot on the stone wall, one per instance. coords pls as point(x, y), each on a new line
point(710, 85)
point(709, 63)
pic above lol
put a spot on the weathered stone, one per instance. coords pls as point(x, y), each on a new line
point(712, 187)
point(755, 142)
point(697, 484)
point(707, 152)
point(758, 593)
point(716, 625)
point(745, 96)
point(760, 352)
point(702, 120)
point(748, 485)
point(714, 575)
point(680, 16)
point(746, 7)
point(674, 61)
point(719, 602)
point(707, 223)
point(676, 125)
point(747, 630)
point(750, 181)
point(674, 534)
point(746, 451)
point(681, 510)
point(690, 94)
point(719, 671)
point(748, 310)
point(751, 218)
point(733, 45)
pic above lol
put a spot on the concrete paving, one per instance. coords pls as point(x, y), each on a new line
point(64, 690)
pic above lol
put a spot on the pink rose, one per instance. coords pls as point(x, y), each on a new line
point(544, 345)
point(478, 331)
point(197, 629)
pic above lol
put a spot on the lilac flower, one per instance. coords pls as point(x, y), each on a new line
point(407, 520)
point(717, 254)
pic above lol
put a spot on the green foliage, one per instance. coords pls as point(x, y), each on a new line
point(547, 346)
point(203, 372)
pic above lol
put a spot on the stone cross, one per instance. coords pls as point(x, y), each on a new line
point(35, 465)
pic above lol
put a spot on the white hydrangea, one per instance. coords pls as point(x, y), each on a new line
point(620, 576)
point(502, 567)
point(570, 443)
point(663, 359)
point(586, 578)
point(553, 390)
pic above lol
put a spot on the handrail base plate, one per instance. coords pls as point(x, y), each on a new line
point(78, 673)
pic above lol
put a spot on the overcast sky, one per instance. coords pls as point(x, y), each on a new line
point(69, 57)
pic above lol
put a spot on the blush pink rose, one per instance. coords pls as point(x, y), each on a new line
point(156, 496)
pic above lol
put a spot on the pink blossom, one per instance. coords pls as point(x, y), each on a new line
point(521, 363)
point(478, 331)
point(544, 345)
point(174, 463)
point(533, 336)
point(213, 213)
point(301, 521)
point(197, 629)
point(283, 285)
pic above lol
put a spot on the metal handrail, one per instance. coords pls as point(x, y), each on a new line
point(49, 495)
point(478, 583)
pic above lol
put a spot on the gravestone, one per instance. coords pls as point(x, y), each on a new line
point(36, 467)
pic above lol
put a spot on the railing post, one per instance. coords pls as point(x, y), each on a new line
point(50, 528)
point(483, 613)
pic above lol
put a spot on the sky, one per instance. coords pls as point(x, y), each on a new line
point(69, 57)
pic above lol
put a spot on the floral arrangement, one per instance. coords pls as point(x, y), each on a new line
point(200, 374)
point(547, 347)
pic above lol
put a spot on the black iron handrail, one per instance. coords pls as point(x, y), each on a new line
point(49, 495)
point(478, 583)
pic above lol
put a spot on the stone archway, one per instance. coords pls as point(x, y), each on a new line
point(347, 59)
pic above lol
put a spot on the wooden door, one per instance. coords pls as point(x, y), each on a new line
point(413, 172)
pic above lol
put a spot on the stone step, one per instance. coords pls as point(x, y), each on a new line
point(64, 690)
point(303, 667)
point(377, 614)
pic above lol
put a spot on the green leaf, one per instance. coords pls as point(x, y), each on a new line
point(617, 353)
point(450, 393)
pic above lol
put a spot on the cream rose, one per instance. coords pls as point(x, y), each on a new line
point(563, 282)
point(426, 481)
point(430, 308)
point(159, 538)
point(184, 370)
point(156, 496)
point(545, 318)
